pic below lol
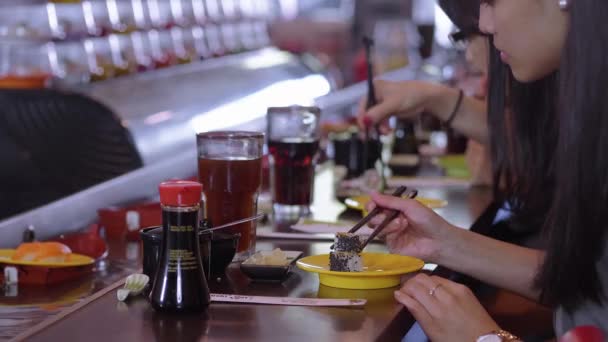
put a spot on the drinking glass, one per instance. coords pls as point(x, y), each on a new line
point(293, 144)
point(230, 169)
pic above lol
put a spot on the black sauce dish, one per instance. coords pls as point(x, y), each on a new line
point(271, 273)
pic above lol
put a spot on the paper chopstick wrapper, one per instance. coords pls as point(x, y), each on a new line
point(288, 301)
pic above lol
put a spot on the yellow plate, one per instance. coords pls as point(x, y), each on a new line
point(379, 271)
point(359, 202)
point(75, 260)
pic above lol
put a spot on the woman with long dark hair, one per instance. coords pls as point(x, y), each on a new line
point(509, 125)
point(549, 63)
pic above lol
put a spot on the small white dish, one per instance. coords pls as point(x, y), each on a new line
point(270, 273)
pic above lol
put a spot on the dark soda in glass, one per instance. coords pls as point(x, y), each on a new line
point(293, 141)
point(293, 170)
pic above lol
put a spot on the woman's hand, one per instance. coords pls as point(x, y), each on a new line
point(418, 231)
point(405, 99)
point(446, 311)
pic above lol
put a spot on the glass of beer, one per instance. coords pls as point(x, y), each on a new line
point(230, 169)
point(293, 144)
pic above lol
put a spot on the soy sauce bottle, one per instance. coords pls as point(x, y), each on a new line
point(179, 283)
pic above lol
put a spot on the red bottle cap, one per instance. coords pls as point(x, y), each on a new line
point(180, 193)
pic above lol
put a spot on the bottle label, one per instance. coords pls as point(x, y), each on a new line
point(182, 258)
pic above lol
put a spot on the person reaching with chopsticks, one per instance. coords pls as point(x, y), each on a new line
point(562, 44)
point(410, 98)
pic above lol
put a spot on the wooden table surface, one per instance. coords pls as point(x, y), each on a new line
point(104, 318)
point(25, 306)
point(87, 309)
point(107, 319)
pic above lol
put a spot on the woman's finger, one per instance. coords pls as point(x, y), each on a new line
point(454, 290)
point(391, 202)
point(394, 229)
point(376, 220)
point(369, 206)
point(448, 284)
point(362, 112)
point(379, 112)
point(390, 232)
point(384, 127)
point(420, 292)
point(416, 309)
point(438, 288)
point(396, 225)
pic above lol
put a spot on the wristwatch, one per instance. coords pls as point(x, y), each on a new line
point(498, 336)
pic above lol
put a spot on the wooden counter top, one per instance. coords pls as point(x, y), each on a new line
point(106, 319)
point(103, 318)
point(87, 309)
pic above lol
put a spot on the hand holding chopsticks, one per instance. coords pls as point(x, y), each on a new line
point(390, 217)
point(400, 191)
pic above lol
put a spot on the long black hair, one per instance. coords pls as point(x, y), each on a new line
point(549, 147)
point(523, 135)
point(523, 130)
point(577, 223)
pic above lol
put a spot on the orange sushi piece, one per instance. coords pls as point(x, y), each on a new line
point(42, 252)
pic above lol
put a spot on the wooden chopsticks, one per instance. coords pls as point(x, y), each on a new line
point(390, 217)
point(377, 210)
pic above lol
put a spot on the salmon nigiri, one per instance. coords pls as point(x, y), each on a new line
point(42, 252)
